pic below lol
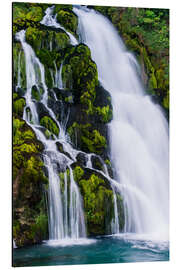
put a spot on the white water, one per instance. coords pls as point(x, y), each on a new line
point(62, 225)
point(138, 131)
point(50, 20)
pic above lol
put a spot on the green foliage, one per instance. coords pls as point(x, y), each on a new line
point(105, 113)
point(59, 7)
point(40, 227)
point(35, 14)
point(78, 173)
point(36, 94)
point(28, 178)
point(67, 19)
point(80, 74)
point(48, 123)
point(98, 200)
point(91, 139)
point(18, 106)
point(95, 142)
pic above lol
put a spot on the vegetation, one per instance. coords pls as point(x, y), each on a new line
point(48, 123)
point(28, 178)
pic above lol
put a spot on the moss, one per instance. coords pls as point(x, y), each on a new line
point(98, 200)
point(105, 113)
point(78, 172)
point(58, 7)
point(95, 142)
point(80, 74)
point(50, 40)
point(48, 134)
point(69, 99)
point(28, 181)
point(36, 94)
point(19, 62)
point(160, 78)
point(48, 123)
point(18, 106)
point(34, 37)
point(39, 230)
point(166, 102)
point(90, 139)
point(152, 84)
point(67, 19)
point(35, 14)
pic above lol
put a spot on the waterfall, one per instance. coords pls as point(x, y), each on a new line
point(66, 217)
point(138, 132)
point(50, 20)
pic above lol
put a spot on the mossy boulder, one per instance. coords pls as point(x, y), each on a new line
point(68, 20)
point(49, 123)
point(80, 73)
point(87, 139)
point(18, 106)
point(98, 202)
point(48, 38)
point(29, 211)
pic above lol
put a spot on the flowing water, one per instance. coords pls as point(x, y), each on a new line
point(139, 153)
point(61, 224)
point(138, 131)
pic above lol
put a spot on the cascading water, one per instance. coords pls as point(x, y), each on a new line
point(50, 20)
point(138, 131)
point(65, 221)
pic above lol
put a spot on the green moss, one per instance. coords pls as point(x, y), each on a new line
point(69, 99)
point(35, 14)
point(18, 54)
point(95, 142)
point(59, 7)
point(35, 93)
point(28, 181)
point(97, 203)
point(80, 74)
point(48, 123)
point(18, 106)
point(15, 96)
point(78, 173)
point(40, 228)
point(160, 78)
point(67, 19)
point(34, 37)
point(166, 102)
point(105, 113)
point(91, 139)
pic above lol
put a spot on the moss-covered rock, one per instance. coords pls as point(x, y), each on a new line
point(48, 38)
point(67, 19)
point(48, 123)
point(98, 203)
point(29, 213)
point(89, 139)
point(36, 93)
point(18, 106)
point(80, 72)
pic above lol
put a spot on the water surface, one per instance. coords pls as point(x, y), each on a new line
point(111, 249)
